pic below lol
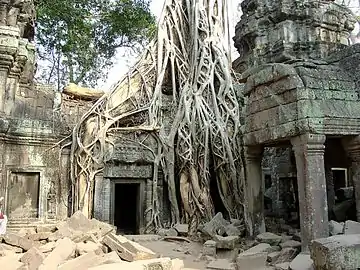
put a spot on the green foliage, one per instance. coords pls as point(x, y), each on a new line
point(77, 39)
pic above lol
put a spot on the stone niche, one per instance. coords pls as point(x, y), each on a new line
point(124, 191)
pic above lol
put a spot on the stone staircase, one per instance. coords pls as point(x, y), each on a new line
point(16, 225)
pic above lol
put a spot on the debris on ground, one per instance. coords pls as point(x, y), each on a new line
point(78, 243)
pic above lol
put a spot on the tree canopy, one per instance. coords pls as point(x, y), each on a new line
point(78, 39)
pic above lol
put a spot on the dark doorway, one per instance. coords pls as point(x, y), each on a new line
point(126, 208)
point(339, 178)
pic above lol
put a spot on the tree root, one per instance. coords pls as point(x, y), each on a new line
point(188, 60)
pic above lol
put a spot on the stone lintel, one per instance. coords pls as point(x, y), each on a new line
point(309, 154)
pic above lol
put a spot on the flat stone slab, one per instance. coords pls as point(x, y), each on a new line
point(221, 264)
point(182, 229)
point(352, 227)
point(336, 228)
point(228, 242)
point(263, 247)
point(302, 262)
point(269, 238)
point(251, 261)
point(336, 252)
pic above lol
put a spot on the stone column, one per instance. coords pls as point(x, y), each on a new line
point(12, 83)
point(148, 200)
point(254, 190)
point(9, 46)
point(5, 63)
point(309, 154)
point(3, 11)
point(352, 147)
point(64, 209)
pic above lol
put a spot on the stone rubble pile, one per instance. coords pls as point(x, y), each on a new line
point(78, 244)
point(267, 251)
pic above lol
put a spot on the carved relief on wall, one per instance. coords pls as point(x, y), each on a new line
point(51, 201)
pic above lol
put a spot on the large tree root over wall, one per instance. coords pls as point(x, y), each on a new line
point(189, 61)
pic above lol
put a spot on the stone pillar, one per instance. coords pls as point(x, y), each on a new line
point(330, 190)
point(102, 198)
point(254, 191)
point(9, 46)
point(3, 11)
point(5, 62)
point(352, 147)
point(64, 209)
point(148, 200)
point(309, 154)
point(12, 83)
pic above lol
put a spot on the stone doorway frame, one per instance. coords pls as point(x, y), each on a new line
point(141, 199)
point(9, 169)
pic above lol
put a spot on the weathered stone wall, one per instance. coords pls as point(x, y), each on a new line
point(276, 31)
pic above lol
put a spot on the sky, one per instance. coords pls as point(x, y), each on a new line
point(123, 61)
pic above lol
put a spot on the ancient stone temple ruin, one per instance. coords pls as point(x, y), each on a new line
point(301, 81)
point(31, 180)
point(300, 78)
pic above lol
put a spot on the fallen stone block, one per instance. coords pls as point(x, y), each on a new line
point(232, 230)
point(273, 256)
point(82, 262)
point(126, 249)
point(302, 262)
point(45, 228)
point(227, 242)
point(209, 248)
point(263, 247)
point(25, 232)
point(269, 238)
point(18, 241)
point(251, 261)
point(182, 229)
point(39, 236)
point(82, 248)
point(286, 255)
point(336, 228)
point(291, 244)
point(167, 232)
point(221, 264)
point(4, 246)
point(160, 263)
point(47, 247)
point(282, 266)
point(101, 228)
point(352, 227)
point(336, 252)
point(216, 226)
point(33, 258)
point(11, 262)
point(110, 257)
point(63, 250)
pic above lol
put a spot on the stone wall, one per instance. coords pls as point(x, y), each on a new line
point(276, 31)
